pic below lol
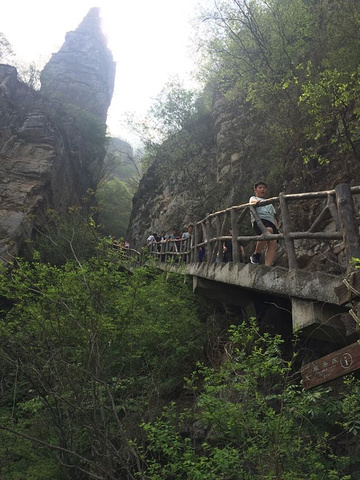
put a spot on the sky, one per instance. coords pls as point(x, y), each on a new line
point(149, 40)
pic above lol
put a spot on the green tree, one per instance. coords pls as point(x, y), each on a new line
point(253, 420)
point(180, 143)
point(173, 108)
point(120, 162)
point(114, 200)
point(66, 236)
point(87, 351)
point(255, 54)
point(332, 99)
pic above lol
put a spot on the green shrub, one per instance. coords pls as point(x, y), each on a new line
point(253, 420)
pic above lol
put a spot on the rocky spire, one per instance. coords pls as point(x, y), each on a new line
point(82, 72)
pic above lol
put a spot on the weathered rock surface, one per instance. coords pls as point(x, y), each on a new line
point(45, 160)
point(82, 72)
point(229, 168)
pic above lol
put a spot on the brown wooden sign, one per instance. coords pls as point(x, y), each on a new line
point(331, 366)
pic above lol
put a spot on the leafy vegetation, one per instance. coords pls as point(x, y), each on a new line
point(252, 420)
point(65, 237)
point(114, 199)
point(281, 89)
point(87, 351)
point(90, 126)
point(94, 348)
point(179, 142)
point(288, 70)
point(106, 369)
point(120, 179)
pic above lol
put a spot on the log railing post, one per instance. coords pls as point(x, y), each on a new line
point(286, 226)
point(235, 234)
point(348, 224)
point(258, 220)
point(166, 256)
point(195, 248)
point(204, 241)
point(209, 247)
point(333, 211)
point(162, 251)
point(187, 251)
point(222, 230)
point(217, 253)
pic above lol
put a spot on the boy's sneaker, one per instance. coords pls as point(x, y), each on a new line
point(255, 258)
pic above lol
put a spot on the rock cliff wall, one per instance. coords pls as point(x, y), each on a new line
point(46, 161)
point(82, 72)
point(231, 163)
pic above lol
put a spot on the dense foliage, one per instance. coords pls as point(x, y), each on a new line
point(92, 351)
point(120, 179)
point(252, 420)
point(94, 348)
point(280, 100)
point(88, 350)
point(294, 64)
point(114, 200)
point(65, 237)
point(179, 146)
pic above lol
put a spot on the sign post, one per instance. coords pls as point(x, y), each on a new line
point(333, 365)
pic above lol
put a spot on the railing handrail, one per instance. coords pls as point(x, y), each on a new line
point(209, 231)
point(287, 196)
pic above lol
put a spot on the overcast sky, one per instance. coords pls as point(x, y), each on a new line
point(149, 40)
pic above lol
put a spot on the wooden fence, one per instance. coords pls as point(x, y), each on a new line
point(205, 244)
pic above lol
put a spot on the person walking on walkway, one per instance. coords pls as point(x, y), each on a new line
point(227, 250)
point(267, 215)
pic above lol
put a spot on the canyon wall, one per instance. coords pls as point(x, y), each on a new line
point(51, 141)
point(222, 175)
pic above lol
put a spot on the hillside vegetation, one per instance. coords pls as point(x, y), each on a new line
point(117, 373)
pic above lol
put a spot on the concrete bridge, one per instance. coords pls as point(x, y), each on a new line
point(320, 305)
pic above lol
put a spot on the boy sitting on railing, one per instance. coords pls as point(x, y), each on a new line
point(267, 215)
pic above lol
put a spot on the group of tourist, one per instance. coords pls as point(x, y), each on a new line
point(176, 239)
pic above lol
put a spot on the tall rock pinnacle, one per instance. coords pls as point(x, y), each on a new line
point(82, 72)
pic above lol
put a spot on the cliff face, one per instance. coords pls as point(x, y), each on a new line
point(178, 187)
point(235, 158)
point(82, 73)
point(220, 176)
point(46, 161)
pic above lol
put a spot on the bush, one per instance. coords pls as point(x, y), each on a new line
point(253, 420)
point(88, 351)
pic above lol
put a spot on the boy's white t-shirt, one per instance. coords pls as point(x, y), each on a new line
point(267, 212)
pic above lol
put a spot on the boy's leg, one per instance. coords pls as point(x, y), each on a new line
point(260, 246)
point(270, 253)
point(270, 249)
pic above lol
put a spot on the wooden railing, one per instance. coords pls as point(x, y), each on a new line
point(210, 232)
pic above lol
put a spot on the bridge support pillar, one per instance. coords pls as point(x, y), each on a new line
point(318, 320)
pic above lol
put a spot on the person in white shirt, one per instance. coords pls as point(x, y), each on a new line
point(151, 239)
point(267, 214)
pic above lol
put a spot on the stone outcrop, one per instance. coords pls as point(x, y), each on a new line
point(82, 72)
point(46, 161)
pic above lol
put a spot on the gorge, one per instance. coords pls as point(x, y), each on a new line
point(117, 367)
